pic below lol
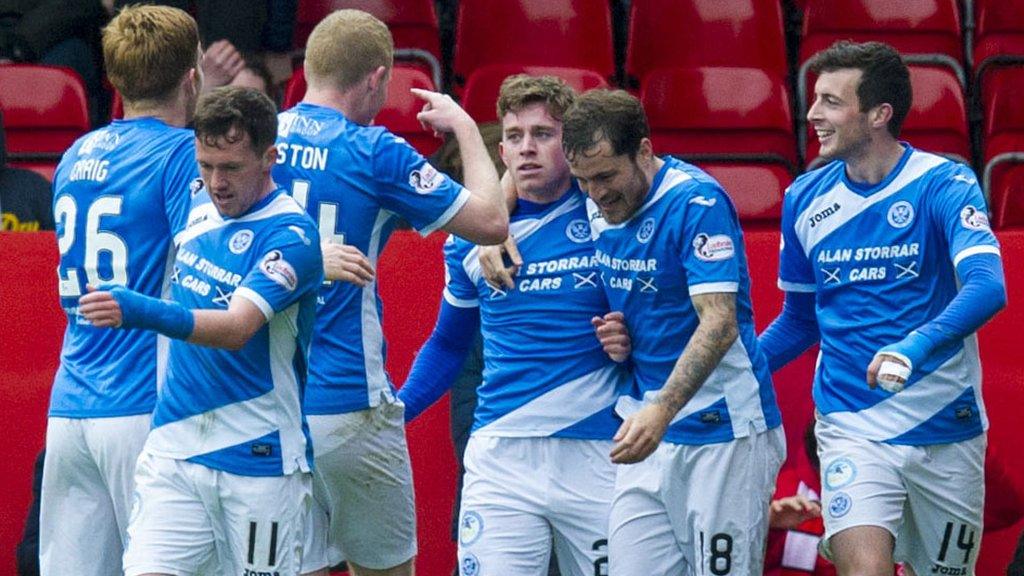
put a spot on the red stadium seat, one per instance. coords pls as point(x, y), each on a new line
point(572, 33)
point(481, 94)
point(400, 109)
point(755, 189)
point(999, 30)
point(1003, 146)
point(738, 113)
point(937, 121)
point(690, 33)
point(44, 110)
point(925, 31)
point(413, 23)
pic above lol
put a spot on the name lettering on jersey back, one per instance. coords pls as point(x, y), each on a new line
point(305, 157)
point(290, 123)
point(95, 170)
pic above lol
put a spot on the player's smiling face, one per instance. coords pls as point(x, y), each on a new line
point(531, 148)
point(615, 182)
point(843, 130)
point(236, 176)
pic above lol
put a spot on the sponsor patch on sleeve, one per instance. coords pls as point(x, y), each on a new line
point(713, 248)
point(974, 219)
point(275, 267)
point(426, 179)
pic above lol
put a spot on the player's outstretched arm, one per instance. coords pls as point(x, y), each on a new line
point(492, 258)
point(642, 431)
point(119, 307)
point(484, 217)
point(439, 361)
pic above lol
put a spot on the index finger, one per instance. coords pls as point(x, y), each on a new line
point(513, 252)
point(427, 95)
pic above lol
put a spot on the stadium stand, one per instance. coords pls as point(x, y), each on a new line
point(998, 31)
point(720, 113)
point(481, 91)
point(755, 189)
point(571, 33)
point(690, 33)
point(45, 110)
point(1003, 148)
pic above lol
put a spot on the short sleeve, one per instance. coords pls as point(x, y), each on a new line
point(459, 289)
point(181, 181)
point(959, 211)
point(708, 243)
point(795, 271)
point(409, 186)
point(290, 267)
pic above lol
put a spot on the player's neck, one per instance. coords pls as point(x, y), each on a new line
point(548, 194)
point(347, 103)
point(875, 163)
point(172, 114)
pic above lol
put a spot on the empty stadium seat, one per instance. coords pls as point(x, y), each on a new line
point(690, 33)
point(413, 23)
point(481, 95)
point(999, 30)
point(1003, 146)
point(755, 189)
point(572, 33)
point(738, 113)
point(922, 30)
point(400, 109)
point(44, 110)
point(937, 120)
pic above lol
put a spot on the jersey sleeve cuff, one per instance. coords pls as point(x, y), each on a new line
point(259, 301)
point(450, 213)
point(797, 287)
point(714, 288)
point(460, 302)
point(984, 249)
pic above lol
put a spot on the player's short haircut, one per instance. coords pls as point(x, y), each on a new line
point(601, 114)
point(885, 77)
point(148, 49)
point(227, 114)
point(345, 47)
point(521, 90)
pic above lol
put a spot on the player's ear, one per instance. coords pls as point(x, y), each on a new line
point(645, 153)
point(880, 115)
point(269, 157)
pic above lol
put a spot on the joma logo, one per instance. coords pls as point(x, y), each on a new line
point(822, 214)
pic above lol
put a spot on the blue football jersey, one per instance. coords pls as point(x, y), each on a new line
point(241, 411)
point(545, 373)
point(357, 182)
point(121, 193)
point(685, 240)
point(881, 261)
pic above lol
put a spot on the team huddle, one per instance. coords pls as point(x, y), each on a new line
point(222, 405)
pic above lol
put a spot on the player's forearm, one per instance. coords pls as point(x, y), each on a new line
point(479, 174)
point(220, 329)
point(981, 296)
point(710, 341)
point(792, 332)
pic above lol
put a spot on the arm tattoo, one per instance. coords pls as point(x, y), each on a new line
point(713, 337)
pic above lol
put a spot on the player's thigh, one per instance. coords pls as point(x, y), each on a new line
point(861, 485)
point(262, 522)
point(78, 529)
point(582, 483)
point(170, 529)
point(116, 444)
point(364, 481)
point(502, 524)
point(943, 525)
point(718, 497)
point(641, 538)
